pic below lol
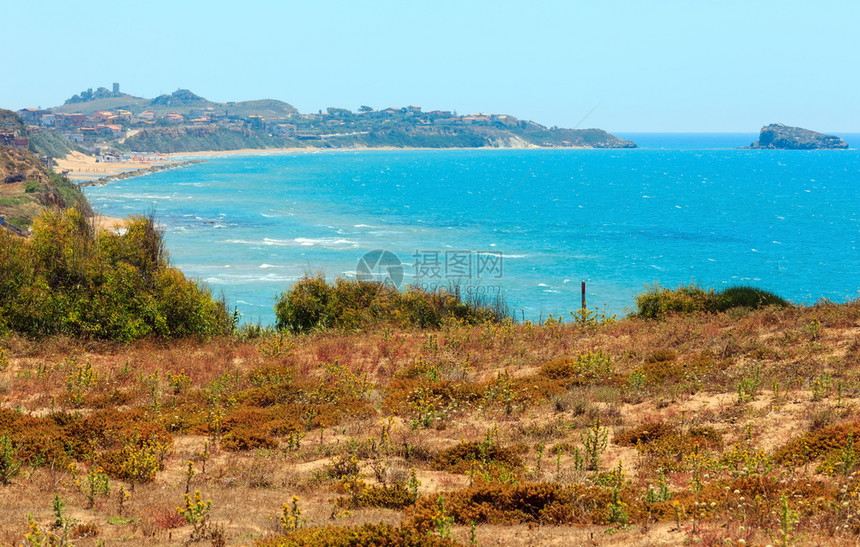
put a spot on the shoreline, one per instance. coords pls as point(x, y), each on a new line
point(136, 173)
point(291, 150)
point(83, 170)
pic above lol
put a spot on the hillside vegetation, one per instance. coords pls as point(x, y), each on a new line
point(704, 426)
point(196, 139)
point(181, 101)
point(27, 188)
point(68, 278)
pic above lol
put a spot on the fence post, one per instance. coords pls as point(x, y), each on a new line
point(584, 307)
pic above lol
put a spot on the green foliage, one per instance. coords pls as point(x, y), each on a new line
point(196, 513)
point(291, 516)
point(9, 462)
point(657, 301)
point(69, 279)
point(749, 297)
point(49, 142)
point(594, 441)
point(196, 139)
point(97, 483)
point(314, 304)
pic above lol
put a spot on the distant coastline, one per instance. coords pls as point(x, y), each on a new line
point(136, 173)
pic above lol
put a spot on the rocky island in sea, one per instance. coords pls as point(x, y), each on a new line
point(777, 136)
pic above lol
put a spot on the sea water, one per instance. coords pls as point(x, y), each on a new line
point(528, 224)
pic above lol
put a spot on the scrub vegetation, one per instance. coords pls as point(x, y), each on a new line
point(354, 426)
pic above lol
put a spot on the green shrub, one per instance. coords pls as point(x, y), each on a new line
point(67, 278)
point(314, 304)
point(749, 297)
point(657, 301)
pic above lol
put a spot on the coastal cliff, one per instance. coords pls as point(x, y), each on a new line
point(782, 137)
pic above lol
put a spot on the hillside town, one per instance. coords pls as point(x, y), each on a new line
point(113, 126)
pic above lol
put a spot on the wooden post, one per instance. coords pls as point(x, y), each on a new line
point(584, 307)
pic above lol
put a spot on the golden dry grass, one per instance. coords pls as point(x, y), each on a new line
point(329, 416)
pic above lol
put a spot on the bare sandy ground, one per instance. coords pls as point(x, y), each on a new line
point(110, 224)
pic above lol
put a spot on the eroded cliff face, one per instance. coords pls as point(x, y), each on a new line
point(778, 136)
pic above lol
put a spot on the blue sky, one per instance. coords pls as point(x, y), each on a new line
point(646, 66)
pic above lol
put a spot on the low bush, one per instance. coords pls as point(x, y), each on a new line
point(242, 439)
point(543, 503)
point(645, 433)
point(381, 535)
point(749, 297)
point(583, 369)
point(816, 444)
point(396, 496)
point(350, 305)
point(657, 301)
point(460, 458)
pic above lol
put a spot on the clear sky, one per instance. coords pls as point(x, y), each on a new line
point(646, 65)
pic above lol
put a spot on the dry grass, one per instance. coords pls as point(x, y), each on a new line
point(713, 418)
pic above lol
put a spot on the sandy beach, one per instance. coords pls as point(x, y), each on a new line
point(256, 151)
point(81, 167)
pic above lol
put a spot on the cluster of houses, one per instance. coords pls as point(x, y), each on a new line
point(78, 127)
point(107, 125)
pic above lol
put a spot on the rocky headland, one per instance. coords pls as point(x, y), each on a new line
point(777, 136)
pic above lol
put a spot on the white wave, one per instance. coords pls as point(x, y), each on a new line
point(268, 266)
point(542, 285)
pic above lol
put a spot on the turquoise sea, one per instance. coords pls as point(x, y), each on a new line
point(529, 223)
